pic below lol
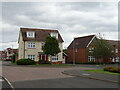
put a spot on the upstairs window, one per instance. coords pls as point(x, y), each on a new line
point(42, 44)
point(91, 49)
point(116, 50)
point(30, 34)
point(54, 34)
point(31, 45)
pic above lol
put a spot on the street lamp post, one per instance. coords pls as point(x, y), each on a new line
point(74, 51)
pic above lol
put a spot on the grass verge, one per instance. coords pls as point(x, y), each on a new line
point(52, 65)
point(102, 71)
point(48, 64)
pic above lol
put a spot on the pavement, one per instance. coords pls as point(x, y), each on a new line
point(93, 75)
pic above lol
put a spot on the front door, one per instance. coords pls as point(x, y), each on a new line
point(44, 57)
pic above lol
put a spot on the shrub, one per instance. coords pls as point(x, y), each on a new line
point(44, 62)
point(112, 69)
point(25, 62)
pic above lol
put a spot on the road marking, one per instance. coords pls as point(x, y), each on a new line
point(9, 83)
point(86, 74)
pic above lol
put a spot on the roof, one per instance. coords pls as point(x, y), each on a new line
point(40, 34)
point(2, 51)
point(114, 43)
point(15, 51)
point(81, 42)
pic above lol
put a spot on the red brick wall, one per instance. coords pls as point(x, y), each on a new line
point(79, 56)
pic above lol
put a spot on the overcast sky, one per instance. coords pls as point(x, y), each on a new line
point(72, 19)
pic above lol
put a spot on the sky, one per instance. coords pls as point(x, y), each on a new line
point(72, 19)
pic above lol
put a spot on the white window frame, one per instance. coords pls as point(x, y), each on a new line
point(42, 44)
point(91, 58)
point(31, 57)
point(31, 44)
point(112, 51)
point(30, 34)
point(55, 58)
point(117, 59)
point(116, 50)
point(91, 49)
point(54, 34)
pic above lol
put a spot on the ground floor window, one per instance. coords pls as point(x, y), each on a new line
point(31, 57)
point(91, 58)
point(117, 59)
point(55, 58)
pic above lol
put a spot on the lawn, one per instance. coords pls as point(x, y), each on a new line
point(102, 71)
point(53, 65)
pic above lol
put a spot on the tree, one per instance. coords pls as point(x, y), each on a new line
point(65, 51)
point(102, 49)
point(51, 46)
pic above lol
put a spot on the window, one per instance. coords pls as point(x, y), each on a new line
point(76, 50)
point(54, 35)
point(31, 45)
point(42, 45)
point(112, 51)
point(91, 49)
point(91, 58)
point(31, 57)
point(31, 34)
point(116, 50)
point(55, 58)
point(117, 59)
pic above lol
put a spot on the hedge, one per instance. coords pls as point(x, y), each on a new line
point(44, 62)
point(112, 69)
point(25, 62)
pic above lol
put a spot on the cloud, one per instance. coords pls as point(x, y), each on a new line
point(72, 19)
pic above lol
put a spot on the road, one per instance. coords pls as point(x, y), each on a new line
point(71, 82)
point(50, 77)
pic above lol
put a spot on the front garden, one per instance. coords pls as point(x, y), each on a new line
point(39, 63)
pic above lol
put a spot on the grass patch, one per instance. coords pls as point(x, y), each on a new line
point(103, 72)
point(13, 63)
point(46, 64)
point(53, 65)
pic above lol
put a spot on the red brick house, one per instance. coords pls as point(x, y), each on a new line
point(2, 55)
point(80, 46)
point(7, 54)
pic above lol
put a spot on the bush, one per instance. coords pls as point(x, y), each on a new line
point(44, 62)
point(112, 69)
point(25, 62)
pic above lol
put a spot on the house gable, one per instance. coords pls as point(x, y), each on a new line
point(81, 42)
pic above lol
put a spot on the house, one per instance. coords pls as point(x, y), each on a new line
point(31, 42)
point(2, 55)
point(9, 52)
point(78, 50)
point(116, 50)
